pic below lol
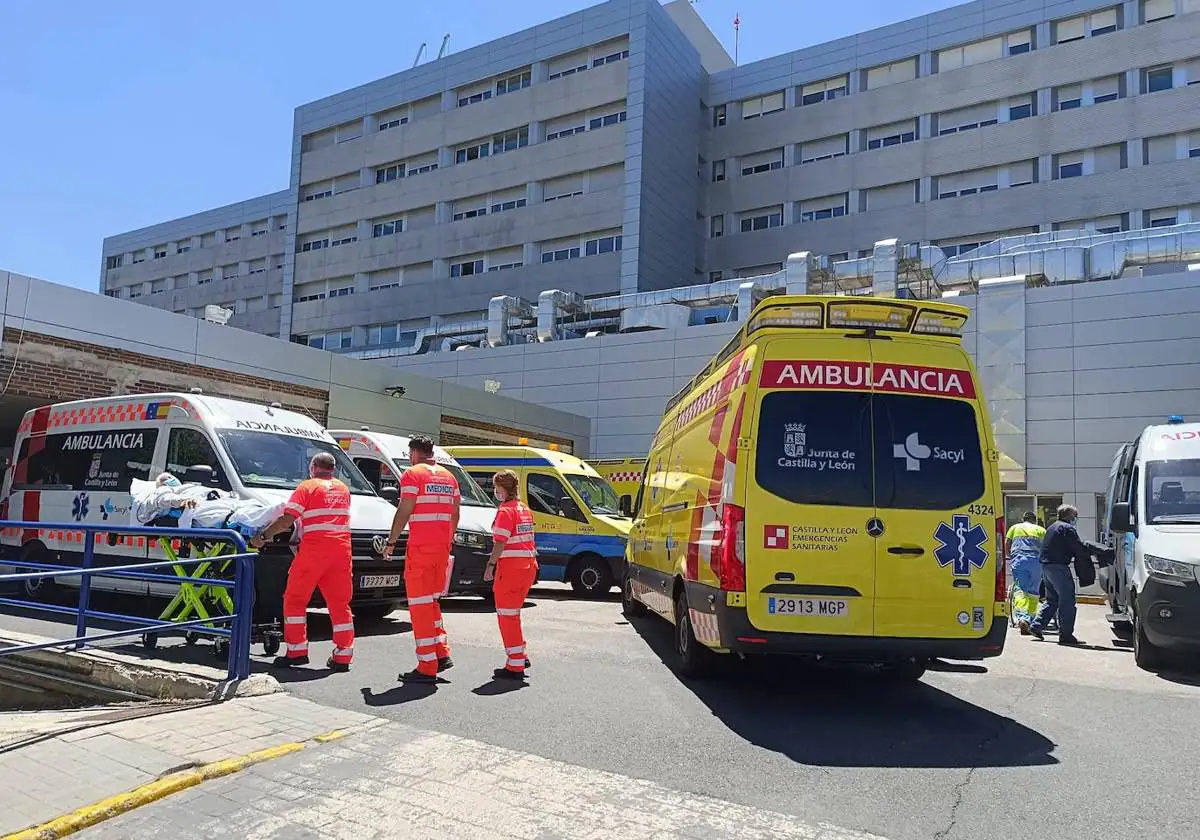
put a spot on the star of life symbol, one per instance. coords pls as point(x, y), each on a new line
point(794, 439)
point(961, 545)
point(912, 451)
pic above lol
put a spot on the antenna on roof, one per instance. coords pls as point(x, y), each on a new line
point(420, 52)
point(737, 35)
point(445, 46)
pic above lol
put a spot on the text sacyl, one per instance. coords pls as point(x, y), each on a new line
point(112, 440)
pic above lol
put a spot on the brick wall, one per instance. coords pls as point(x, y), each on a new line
point(59, 370)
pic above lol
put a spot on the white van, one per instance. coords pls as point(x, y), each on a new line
point(383, 458)
point(74, 463)
point(1153, 586)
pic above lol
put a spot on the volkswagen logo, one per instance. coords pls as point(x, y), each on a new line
point(379, 543)
point(875, 528)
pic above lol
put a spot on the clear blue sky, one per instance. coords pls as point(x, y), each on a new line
point(118, 115)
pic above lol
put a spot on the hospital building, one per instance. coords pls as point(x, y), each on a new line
point(611, 180)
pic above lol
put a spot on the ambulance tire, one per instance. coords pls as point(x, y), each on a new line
point(630, 607)
point(39, 589)
point(1146, 655)
point(904, 671)
point(695, 660)
point(590, 576)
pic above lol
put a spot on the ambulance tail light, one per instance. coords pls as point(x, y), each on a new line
point(1001, 563)
point(732, 571)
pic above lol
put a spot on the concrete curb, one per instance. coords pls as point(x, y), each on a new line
point(114, 806)
point(1097, 600)
point(111, 672)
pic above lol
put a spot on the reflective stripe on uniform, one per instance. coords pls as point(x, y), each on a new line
point(435, 500)
point(337, 651)
point(513, 651)
point(501, 532)
point(432, 640)
point(428, 657)
point(308, 514)
point(430, 517)
point(516, 663)
point(294, 619)
point(503, 611)
point(422, 599)
point(338, 628)
point(327, 527)
point(302, 647)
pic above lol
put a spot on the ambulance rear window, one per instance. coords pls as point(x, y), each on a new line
point(94, 461)
point(927, 453)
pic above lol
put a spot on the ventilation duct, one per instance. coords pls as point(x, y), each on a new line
point(550, 303)
point(502, 309)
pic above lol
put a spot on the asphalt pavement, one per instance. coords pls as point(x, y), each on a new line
point(1063, 742)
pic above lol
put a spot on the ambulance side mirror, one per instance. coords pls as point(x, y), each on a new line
point(626, 506)
point(1119, 521)
point(201, 474)
point(392, 494)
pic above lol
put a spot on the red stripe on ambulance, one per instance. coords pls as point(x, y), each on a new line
point(862, 376)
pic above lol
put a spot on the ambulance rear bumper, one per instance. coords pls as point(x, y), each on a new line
point(738, 635)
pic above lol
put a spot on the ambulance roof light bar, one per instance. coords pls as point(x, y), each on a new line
point(1175, 419)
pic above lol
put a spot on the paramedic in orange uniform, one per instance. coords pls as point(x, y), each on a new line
point(322, 506)
point(514, 566)
point(429, 506)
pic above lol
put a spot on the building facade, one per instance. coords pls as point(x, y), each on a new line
point(616, 150)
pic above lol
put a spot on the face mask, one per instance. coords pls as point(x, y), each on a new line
point(499, 496)
point(172, 482)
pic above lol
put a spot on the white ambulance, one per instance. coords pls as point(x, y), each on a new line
point(74, 462)
point(1153, 587)
point(383, 458)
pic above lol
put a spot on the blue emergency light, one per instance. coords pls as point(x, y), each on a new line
point(1175, 419)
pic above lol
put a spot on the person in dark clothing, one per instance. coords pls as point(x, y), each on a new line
point(1061, 546)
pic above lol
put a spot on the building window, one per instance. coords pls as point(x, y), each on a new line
point(716, 226)
point(159, 254)
point(475, 152)
point(610, 58)
point(388, 228)
point(382, 334)
point(421, 170)
point(765, 165)
point(719, 116)
point(718, 171)
point(466, 269)
point(1020, 112)
point(396, 123)
point(341, 291)
point(816, 210)
point(469, 214)
point(566, 132)
point(1160, 78)
point(602, 245)
point(345, 240)
point(510, 140)
point(607, 119)
point(463, 101)
point(505, 266)
point(112, 293)
point(114, 262)
point(388, 173)
point(560, 254)
point(815, 92)
point(894, 136)
point(1153, 10)
point(182, 249)
point(762, 221)
point(559, 196)
point(514, 83)
point(760, 105)
point(314, 245)
point(1157, 221)
point(504, 206)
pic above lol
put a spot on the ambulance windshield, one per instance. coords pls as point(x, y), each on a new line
point(280, 462)
point(596, 493)
point(1173, 492)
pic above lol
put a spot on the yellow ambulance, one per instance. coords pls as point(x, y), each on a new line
point(579, 528)
point(827, 486)
point(624, 474)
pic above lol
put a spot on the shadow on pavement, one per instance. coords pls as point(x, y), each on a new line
point(402, 693)
point(851, 717)
point(494, 688)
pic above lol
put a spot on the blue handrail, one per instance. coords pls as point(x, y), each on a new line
point(242, 585)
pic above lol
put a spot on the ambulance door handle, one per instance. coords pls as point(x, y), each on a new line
point(913, 550)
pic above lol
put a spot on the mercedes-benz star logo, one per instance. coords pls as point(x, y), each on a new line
point(875, 528)
point(379, 543)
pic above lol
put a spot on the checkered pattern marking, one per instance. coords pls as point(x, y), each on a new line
point(705, 626)
point(97, 414)
point(619, 477)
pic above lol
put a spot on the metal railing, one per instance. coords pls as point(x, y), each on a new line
point(242, 584)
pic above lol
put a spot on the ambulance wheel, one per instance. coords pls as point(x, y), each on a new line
point(1123, 631)
point(1146, 655)
point(39, 588)
point(695, 659)
point(190, 638)
point(221, 649)
point(149, 641)
point(906, 670)
point(631, 607)
point(373, 613)
point(271, 644)
point(591, 576)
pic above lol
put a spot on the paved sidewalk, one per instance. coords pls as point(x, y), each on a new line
point(399, 782)
point(47, 779)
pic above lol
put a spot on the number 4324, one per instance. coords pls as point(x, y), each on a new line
point(981, 510)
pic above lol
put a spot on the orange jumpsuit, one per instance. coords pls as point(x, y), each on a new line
point(322, 510)
point(427, 563)
point(516, 570)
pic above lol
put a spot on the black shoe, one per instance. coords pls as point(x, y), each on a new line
point(1070, 641)
point(337, 667)
point(415, 676)
point(289, 661)
point(445, 664)
point(1036, 632)
point(505, 674)
point(527, 665)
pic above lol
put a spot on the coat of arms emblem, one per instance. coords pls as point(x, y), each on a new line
point(794, 439)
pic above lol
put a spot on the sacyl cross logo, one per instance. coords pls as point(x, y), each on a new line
point(912, 451)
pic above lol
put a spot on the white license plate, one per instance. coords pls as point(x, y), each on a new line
point(819, 607)
point(378, 581)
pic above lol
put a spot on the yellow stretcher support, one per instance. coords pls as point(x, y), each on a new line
point(202, 600)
